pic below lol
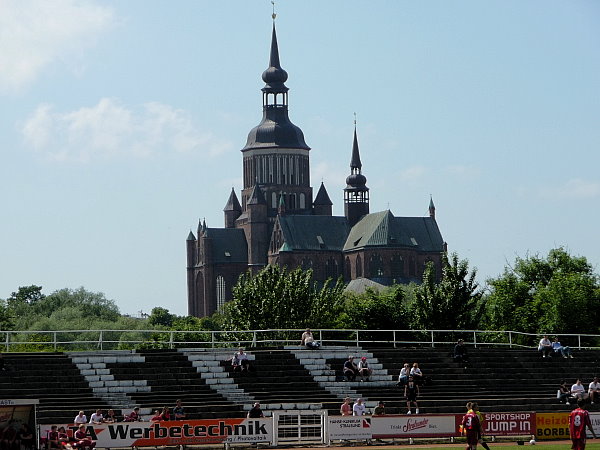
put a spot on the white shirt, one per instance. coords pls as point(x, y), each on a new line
point(80, 419)
point(96, 418)
point(594, 387)
point(544, 343)
point(358, 410)
point(403, 373)
point(363, 364)
point(577, 388)
point(416, 371)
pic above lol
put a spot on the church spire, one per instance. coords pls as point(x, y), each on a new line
point(355, 164)
point(356, 193)
point(431, 207)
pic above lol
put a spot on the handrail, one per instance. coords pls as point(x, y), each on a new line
point(102, 340)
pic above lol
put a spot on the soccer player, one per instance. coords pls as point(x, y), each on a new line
point(579, 419)
point(471, 427)
point(481, 417)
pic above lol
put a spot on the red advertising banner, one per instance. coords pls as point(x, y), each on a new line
point(189, 432)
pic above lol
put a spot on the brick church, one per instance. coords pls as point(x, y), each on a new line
point(279, 221)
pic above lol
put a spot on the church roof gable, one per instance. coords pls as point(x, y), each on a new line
point(228, 245)
point(314, 233)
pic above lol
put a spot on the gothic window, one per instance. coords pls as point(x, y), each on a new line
point(359, 267)
point(292, 201)
point(347, 271)
point(331, 269)
point(412, 267)
point(376, 266)
point(306, 264)
point(220, 292)
point(397, 266)
point(302, 200)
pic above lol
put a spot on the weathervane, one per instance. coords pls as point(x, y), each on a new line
point(273, 15)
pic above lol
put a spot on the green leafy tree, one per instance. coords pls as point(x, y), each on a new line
point(161, 316)
point(556, 294)
point(277, 298)
point(376, 310)
point(453, 303)
point(28, 295)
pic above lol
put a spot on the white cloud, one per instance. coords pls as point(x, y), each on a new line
point(575, 188)
point(36, 33)
point(111, 129)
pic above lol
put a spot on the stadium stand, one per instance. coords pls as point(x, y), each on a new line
point(286, 378)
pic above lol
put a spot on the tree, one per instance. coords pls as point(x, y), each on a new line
point(454, 303)
point(376, 310)
point(276, 298)
point(28, 295)
point(559, 293)
point(161, 316)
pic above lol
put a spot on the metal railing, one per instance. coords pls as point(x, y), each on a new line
point(73, 340)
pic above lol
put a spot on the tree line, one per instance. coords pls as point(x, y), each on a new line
point(558, 294)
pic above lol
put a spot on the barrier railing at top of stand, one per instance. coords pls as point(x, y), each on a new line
point(73, 340)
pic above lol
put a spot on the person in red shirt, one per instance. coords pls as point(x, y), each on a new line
point(472, 428)
point(579, 420)
point(82, 440)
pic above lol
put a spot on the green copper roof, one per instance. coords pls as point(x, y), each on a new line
point(325, 233)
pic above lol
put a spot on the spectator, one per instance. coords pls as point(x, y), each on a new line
point(53, 437)
point(403, 377)
point(578, 391)
point(557, 348)
point(358, 409)
point(460, 352)
point(178, 411)
point(411, 392)
point(240, 362)
point(564, 393)
point(594, 390)
point(80, 418)
point(97, 418)
point(82, 440)
point(350, 369)
point(308, 340)
point(379, 409)
point(417, 374)
point(26, 437)
point(9, 438)
point(346, 409)
point(255, 412)
point(133, 416)
point(157, 417)
point(63, 439)
point(111, 417)
point(364, 370)
point(165, 415)
point(545, 346)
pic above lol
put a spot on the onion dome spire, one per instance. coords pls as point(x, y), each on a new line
point(356, 179)
point(274, 76)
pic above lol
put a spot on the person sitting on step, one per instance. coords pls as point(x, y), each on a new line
point(364, 370)
point(350, 369)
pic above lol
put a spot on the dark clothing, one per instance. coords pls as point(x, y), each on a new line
point(350, 370)
point(255, 413)
point(460, 353)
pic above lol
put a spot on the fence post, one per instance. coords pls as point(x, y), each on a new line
point(7, 341)
point(579, 341)
point(171, 338)
point(55, 344)
point(432, 341)
point(101, 340)
point(394, 337)
point(357, 339)
point(510, 339)
point(212, 338)
point(475, 338)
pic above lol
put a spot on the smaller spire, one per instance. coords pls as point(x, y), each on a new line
point(204, 224)
point(256, 196)
point(191, 236)
point(233, 204)
point(355, 162)
point(431, 207)
point(281, 208)
point(322, 197)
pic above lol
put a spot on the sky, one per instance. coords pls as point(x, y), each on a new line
point(121, 124)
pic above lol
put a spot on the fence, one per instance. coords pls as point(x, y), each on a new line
point(73, 340)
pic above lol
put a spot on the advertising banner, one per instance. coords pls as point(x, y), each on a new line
point(509, 424)
point(552, 426)
point(405, 426)
point(349, 427)
point(189, 432)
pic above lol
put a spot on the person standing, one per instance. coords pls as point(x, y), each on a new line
point(481, 418)
point(358, 409)
point(178, 411)
point(579, 420)
point(255, 412)
point(346, 408)
point(471, 427)
point(411, 392)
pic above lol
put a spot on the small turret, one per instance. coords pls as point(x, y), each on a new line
point(232, 210)
point(322, 206)
point(431, 208)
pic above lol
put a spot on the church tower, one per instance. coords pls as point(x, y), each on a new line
point(356, 193)
point(275, 155)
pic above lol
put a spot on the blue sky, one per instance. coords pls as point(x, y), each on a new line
point(121, 124)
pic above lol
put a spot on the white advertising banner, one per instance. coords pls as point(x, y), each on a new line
point(188, 432)
point(406, 426)
point(349, 427)
point(595, 419)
